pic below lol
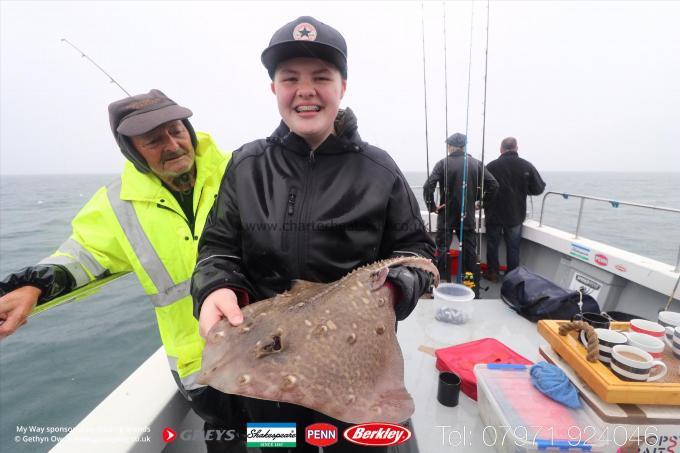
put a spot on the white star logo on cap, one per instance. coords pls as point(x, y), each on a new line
point(304, 32)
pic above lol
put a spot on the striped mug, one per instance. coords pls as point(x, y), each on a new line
point(653, 345)
point(647, 327)
point(633, 364)
point(606, 339)
point(676, 343)
point(670, 320)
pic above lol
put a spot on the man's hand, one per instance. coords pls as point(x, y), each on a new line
point(15, 307)
point(439, 208)
point(221, 303)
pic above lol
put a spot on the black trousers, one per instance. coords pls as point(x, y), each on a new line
point(512, 236)
point(222, 412)
point(443, 240)
point(263, 411)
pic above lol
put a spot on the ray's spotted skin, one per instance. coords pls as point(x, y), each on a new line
point(329, 347)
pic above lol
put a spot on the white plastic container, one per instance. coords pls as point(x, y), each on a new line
point(519, 418)
point(454, 295)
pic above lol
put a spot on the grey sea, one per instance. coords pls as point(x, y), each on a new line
point(59, 366)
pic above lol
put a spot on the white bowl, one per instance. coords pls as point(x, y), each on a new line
point(454, 295)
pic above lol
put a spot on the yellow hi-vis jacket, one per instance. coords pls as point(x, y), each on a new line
point(136, 224)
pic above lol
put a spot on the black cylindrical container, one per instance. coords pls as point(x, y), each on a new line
point(448, 389)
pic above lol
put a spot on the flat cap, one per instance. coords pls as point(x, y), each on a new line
point(139, 114)
point(458, 140)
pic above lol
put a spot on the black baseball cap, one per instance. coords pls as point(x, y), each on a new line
point(306, 37)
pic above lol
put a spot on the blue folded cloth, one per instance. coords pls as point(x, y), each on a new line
point(552, 382)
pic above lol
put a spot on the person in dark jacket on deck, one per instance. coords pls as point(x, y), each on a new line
point(506, 213)
point(448, 174)
point(313, 201)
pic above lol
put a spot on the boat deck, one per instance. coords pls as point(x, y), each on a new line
point(436, 427)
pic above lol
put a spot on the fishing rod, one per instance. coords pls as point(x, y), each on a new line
point(94, 286)
point(79, 293)
point(459, 272)
point(447, 195)
point(478, 266)
point(83, 55)
point(427, 140)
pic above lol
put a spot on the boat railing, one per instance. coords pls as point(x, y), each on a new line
point(418, 191)
point(613, 203)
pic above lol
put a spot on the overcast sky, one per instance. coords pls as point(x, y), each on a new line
point(582, 85)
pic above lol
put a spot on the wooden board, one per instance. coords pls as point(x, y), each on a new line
point(620, 414)
point(600, 378)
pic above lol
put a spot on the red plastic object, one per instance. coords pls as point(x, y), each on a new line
point(453, 261)
point(462, 358)
point(485, 266)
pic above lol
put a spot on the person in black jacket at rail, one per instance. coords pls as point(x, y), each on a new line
point(312, 201)
point(448, 174)
point(506, 213)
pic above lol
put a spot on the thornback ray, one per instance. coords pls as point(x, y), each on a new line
point(329, 347)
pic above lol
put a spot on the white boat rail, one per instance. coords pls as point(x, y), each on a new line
point(613, 203)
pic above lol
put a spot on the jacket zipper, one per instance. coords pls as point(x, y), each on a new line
point(191, 227)
point(291, 202)
point(303, 236)
point(288, 217)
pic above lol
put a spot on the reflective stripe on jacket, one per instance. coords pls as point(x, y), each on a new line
point(136, 224)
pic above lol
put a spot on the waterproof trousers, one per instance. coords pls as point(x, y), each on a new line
point(221, 412)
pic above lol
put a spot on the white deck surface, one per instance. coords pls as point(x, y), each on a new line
point(491, 318)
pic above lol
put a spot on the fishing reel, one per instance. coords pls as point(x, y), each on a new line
point(469, 280)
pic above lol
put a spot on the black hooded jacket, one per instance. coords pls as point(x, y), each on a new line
point(517, 178)
point(285, 213)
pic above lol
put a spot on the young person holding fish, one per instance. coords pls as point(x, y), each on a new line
point(312, 202)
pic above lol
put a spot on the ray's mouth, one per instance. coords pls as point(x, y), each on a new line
point(273, 345)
